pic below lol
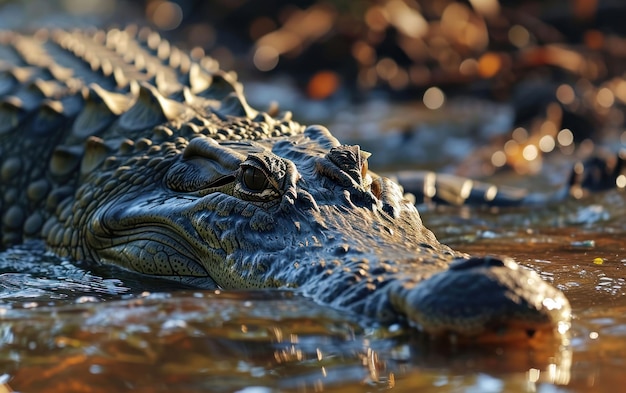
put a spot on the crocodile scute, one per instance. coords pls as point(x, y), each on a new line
point(116, 147)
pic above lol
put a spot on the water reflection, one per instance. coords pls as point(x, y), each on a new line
point(565, 244)
point(80, 327)
point(215, 341)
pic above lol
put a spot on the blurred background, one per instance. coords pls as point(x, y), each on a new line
point(475, 87)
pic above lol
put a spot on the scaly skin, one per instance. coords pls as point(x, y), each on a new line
point(123, 150)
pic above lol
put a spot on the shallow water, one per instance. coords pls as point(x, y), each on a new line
point(579, 247)
point(67, 326)
point(70, 327)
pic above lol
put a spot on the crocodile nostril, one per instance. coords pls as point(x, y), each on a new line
point(488, 261)
point(351, 160)
point(342, 249)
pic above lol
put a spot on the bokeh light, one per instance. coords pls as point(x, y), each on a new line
point(489, 64)
point(434, 98)
point(323, 84)
point(565, 94)
point(530, 152)
point(265, 58)
point(498, 159)
point(166, 15)
point(605, 97)
point(519, 36)
point(565, 137)
point(547, 143)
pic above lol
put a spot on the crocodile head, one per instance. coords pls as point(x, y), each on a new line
point(197, 204)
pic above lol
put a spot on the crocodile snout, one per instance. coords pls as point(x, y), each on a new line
point(483, 296)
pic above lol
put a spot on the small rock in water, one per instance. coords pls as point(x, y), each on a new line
point(584, 243)
point(489, 235)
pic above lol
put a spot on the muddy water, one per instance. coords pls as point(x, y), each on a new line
point(65, 327)
point(578, 246)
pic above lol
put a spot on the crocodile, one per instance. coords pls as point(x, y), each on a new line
point(118, 148)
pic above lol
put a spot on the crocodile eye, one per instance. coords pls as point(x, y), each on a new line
point(254, 179)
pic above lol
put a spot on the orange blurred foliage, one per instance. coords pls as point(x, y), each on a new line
point(322, 85)
point(489, 64)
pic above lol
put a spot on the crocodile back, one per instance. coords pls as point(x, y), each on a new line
point(61, 92)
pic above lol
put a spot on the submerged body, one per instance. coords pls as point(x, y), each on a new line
point(117, 148)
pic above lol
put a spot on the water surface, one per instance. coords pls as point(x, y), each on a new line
point(68, 326)
point(71, 327)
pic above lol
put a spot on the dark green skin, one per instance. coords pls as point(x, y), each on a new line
point(156, 163)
